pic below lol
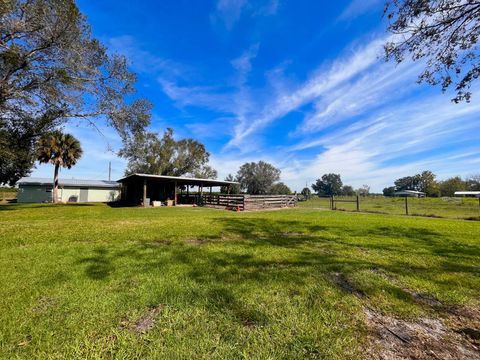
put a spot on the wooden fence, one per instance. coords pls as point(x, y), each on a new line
point(223, 201)
point(249, 202)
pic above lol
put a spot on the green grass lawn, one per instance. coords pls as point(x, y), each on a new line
point(91, 281)
point(454, 208)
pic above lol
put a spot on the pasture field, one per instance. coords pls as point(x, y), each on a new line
point(93, 281)
point(454, 208)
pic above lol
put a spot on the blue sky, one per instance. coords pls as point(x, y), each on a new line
point(300, 84)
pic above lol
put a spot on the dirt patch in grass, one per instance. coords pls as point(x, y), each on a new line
point(344, 284)
point(130, 222)
point(453, 334)
point(145, 323)
point(43, 304)
point(423, 338)
point(466, 321)
point(418, 297)
point(196, 241)
point(292, 234)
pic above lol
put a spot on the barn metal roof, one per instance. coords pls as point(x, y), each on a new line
point(69, 182)
point(413, 192)
point(182, 180)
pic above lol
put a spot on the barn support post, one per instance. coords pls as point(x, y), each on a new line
point(144, 192)
point(175, 194)
point(188, 194)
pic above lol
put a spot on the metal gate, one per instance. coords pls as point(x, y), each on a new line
point(83, 194)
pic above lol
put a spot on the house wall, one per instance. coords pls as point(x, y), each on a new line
point(38, 193)
point(33, 193)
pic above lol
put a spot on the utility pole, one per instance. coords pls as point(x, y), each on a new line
point(109, 170)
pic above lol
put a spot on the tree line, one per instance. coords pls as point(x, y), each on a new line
point(331, 184)
point(427, 182)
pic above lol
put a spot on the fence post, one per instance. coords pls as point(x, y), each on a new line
point(358, 203)
point(332, 202)
point(406, 205)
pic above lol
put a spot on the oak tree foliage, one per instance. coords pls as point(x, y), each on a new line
point(53, 70)
point(328, 185)
point(147, 153)
point(257, 178)
point(442, 33)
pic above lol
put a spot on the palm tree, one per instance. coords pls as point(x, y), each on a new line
point(58, 149)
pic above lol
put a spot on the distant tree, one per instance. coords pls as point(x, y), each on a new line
point(52, 70)
point(257, 178)
point(444, 34)
point(149, 154)
point(60, 150)
point(473, 183)
point(425, 182)
point(364, 190)
point(233, 189)
point(329, 184)
point(408, 183)
point(449, 186)
point(347, 190)
point(206, 172)
point(389, 191)
point(279, 189)
point(428, 184)
point(306, 192)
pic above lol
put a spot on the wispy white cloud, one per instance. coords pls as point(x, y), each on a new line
point(377, 131)
point(320, 83)
point(143, 61)
point(229, 12)
point(359, 7)
point(211, 97)
point(395, 142)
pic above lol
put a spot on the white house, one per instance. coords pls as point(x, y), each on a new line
point(468, 193)
point(36, 190)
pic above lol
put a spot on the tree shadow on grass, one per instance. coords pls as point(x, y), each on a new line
point(347, 246)
point(99, 265)
point(8, 207)
point(26, 206)
point(262, 253)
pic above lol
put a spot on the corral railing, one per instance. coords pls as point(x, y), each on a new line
point(224, 201)
point(255, 202)
point(249, 202)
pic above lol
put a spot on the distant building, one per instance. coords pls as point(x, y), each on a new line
point(410, 193)
point(38, 190)
point(468, 193)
